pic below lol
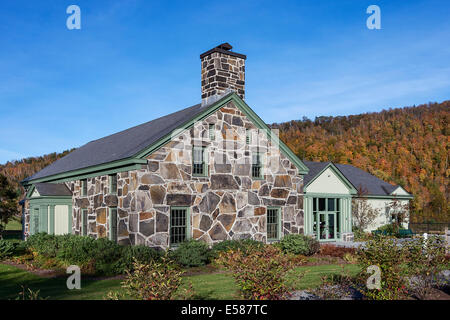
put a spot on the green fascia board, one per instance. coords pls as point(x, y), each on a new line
point(50, 201)
point(388, 197)
point(29, 192)
point(93, 171)
point(340, 176)
point(231, 97)
point(327, 195)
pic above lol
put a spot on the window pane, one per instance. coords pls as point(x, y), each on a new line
point(331, 204)
point(321, 204)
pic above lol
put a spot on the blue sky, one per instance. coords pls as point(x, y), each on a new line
point(133, 61)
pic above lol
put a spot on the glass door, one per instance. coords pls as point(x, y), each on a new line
point(326, 218)
point(327, 226)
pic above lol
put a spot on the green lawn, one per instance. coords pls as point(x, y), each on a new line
point(313, 274)
point(14, 223)
point(206, 286)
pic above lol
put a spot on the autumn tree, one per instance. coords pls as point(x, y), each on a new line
point(363, 214)
point(8, 202)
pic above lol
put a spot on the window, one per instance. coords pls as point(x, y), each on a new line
point(113, 224)
point(273, 224)
point(84, 187)
point(179, 225)
point(256, 166)
point(84, 223)
point(327, 218)
point(113, 183)
point(212, 132)
point(248, 136)
point(35, 221)
point(199, 166)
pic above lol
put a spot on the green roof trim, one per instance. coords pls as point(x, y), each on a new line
point(98, 170)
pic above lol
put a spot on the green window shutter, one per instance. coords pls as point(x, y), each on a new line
point(84, 219)
point(113, 183)
point(179, 225)
point(113, 224)
point(248, 136)
point(84, 187)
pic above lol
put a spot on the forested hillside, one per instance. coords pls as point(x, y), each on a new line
point(18, 170)
point(406, 146)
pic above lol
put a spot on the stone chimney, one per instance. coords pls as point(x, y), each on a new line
point(222, 71)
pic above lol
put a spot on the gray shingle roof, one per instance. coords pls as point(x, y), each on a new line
point(53, 189)
point(121, 145)
point(357, 177)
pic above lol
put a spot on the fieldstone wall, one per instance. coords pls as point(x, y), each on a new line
point(227, 203)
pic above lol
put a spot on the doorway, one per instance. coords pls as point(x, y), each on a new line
point(327, 218)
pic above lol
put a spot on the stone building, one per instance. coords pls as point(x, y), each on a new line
point(213, 171)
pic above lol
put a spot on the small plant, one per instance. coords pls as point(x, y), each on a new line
point(335, 286)
point(299, 244)
point(389, 257)
point(425, 260)
point(350, 257)
point(245, 245)
point(261, 274)
point(142, 254)
point(335, 251)
point(28, 294)
point(156, 280)
point(192, 253)
point(7, 249)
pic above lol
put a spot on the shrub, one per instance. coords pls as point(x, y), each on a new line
point(335, 251)
point(76, 249)
point(99, 256)
point(191, 253)
point(425, 260)
point(157, 280)
point(389, 257)
point(260, 275)
point(299, 244)
point(359, 234)
point(245, 245)
point(388, 230)
point(141, 254)
point(44, 244)
point(6, 249)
